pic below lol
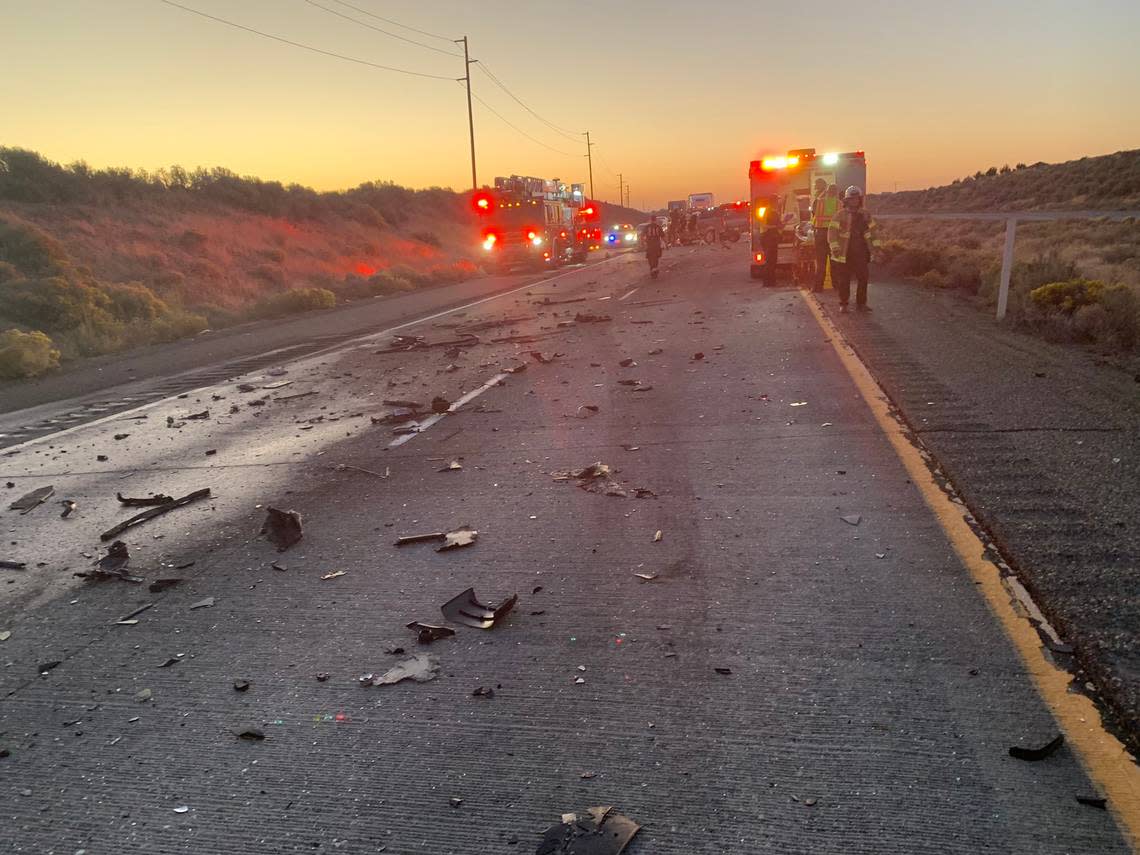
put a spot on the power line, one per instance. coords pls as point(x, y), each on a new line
point(304, 46)
point(379, 30)
point(518, 129)
point(568, 134)
point(390, 21)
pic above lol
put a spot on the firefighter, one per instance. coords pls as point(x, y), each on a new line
point(677, 227)
point(851, 235)
point(824, 207)
point(770, 238)
point(654, 244)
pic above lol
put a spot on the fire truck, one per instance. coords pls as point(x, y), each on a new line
point(535, 223)
point(786, 181)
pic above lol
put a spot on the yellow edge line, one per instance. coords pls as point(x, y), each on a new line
point(1103, 756)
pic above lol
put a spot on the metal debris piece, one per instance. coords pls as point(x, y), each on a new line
point(147, 502)
point(173, 660)
point(799, 403)
point(421, 667)
point(345, 467)
point(44, 667)
point(12, 565)
point(602, 831)
point(465, 609)
point(396, 417)
point(462, 536)
point(280, 384)
point(439, 404)
point(627, 363)
point(419, 538)
point(140, 518)
point(69, 507)
point(202, 604)
point(335, 574)
point(1035, 754)
point(453, 466)
point(30, 501)
point(426, 633)
point(281, 528)
point(162, 584)
point(852, 519)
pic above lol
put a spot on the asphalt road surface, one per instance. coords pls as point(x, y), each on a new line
point(813, 665)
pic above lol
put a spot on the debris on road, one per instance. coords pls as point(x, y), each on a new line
point(396, 417)
point(601, 832)
point(1092, 801)
point(113, 565)
point(30, 501)
point(460, 537)
point(241, 685)
point(162, 584)
point(426, 633)
point(648, 577)
point(657, 536)
point(143, 695)
point(724, 671)
point(799, 403)
point(345, 467)
point(421, 667)
point(518, 368)
point(465, 609)
point(281, 528)
point(587, 410)
point(252, 734)
point(1034, 754)
point(69, 507)
point(408, 539)
point(140, 518)
point(628, 363)
point(403, 405)
point(12, 565)
point(5, 635)
point(453, 466)
point(147, 502)
point(587, 318)
point(44, 667)
point(698, 356)
point(543, 358)
point(599, 478)
point(128, 618)
point(439, 404)
point(195, 417)
point(852, 519)
point(483, 692)
point(203, 604)
point(334, 575)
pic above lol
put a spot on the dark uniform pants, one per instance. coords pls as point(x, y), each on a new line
point(842, 272)
point(770, 240)
point(822, 253)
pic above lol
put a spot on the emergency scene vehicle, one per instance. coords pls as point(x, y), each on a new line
point(785, 181)
point(533, 223)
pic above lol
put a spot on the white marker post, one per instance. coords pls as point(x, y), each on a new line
point(1006, 266)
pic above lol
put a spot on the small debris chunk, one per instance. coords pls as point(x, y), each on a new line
point(241, 685)
point(483, 692)
point(1035, 754)
point(426, 633)
point(252, 734)
point(30, 501)
point(602, 831)
point(440, 404)
point(466, 609)
point(421, 667)
point(203, 604)
point(281, 528)
point(145, 502)
point(69, 507)
point(334, 575)
point(162, 584)
point(852, 519)
point(140, 518)
point(460, 537)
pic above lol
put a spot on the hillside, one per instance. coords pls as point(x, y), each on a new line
point(1109, 182)
point(105, 260)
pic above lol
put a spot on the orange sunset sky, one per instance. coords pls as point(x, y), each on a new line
point(678, 96)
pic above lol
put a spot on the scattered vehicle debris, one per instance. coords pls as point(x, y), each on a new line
point(334, 575)
point(1093, 801)
point(517, 368)
point(439, 404)
point(396, 417)
point(282, 528)
point(241, 685)
point(30, 501)
point(120, 436)
point(483, 692)
point(1035, 754)
point(140, 518)
point(657, 536)
point(421, 667)
point(69, 507)
point(426, 633)
point(403, 405)
point(195, 417)
point(277, 372)
point(5, 635)
point(162, 584)
point(628, 363)
point(602, 831)
point(799, 403)
point(595, 478)
point(44, 667)
point(146, 502)
point(280, 384)
point(465, 609)
point(587, 318)
point(657, 351)
point(543, 358)
point(129, 616)
point(113, 565)
point(322, 676)
point(698, 356)
point(455, 801)
point(12, 565)
point(453, 466)
point(587, 410)
point(170, 663)
point(284, 398)
point(252, 734)
point(203, 604)
point(419, 538)
point(345, 467)
point(852, 519)
point(143, 695)
point(460, 537)
point(648, 577)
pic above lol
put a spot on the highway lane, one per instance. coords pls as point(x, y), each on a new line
point(788, 680)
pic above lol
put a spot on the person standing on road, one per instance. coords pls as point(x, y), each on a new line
point(851, 236)
point(824, 207)
point(654, 244)
point(770, 238)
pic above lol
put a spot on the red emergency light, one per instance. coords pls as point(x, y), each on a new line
point(491, 239)
point(759, 258)
point(591, 211)
point(483, 202)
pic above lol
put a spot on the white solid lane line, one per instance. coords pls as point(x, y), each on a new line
point(431, 420)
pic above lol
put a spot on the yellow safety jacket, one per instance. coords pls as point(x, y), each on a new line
point(823, 210)
point(839, 233)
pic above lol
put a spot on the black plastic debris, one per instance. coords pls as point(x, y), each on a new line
point(140, 518)
point(439, 404)
point(455, 802)
point(602, 831)
point(252, 734)
point(465, 609)
point(129, 618)
point(246, 387)
point(1092, 801)
point(241, 685)
point(144, 501)
point(30, 501)
point(483, 692)
point(120, 436)
point(173, 660)
point(1034, 754)
point(599, 478)
point(426, 633)
point(724, 671)
point(162, 584)
point(12, 565)
point(322, 676)
point(419, 538)
point(69, 507)
point(113, 565)
point(44, 667)
point(195, 417)
point(281, 528)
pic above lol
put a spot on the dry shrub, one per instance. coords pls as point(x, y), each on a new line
point(26, 354)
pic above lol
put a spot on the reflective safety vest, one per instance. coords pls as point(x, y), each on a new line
point(839, 233)
point(823, 210)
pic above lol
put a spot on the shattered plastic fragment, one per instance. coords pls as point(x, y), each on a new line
point(453, 466)
point(69, 507)
point(421, 667)
point(202, 604)
point(725, 671)
point(1091, 801)
point(463, 536)
point(30, 501)
point(483, 692)
point(282, 528)
point(465, 609)
point(852, 519)
point(1035, 754)
point(426, 633)
point(601, 832)
point(252, 734)
point(657, 536)
point(334, 575)
point(241, 685)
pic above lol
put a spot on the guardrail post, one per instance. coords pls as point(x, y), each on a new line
point(1006, 266)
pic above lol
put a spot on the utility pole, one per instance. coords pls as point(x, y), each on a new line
point(466, 78)
point(620, 185)
point(590, 159)
point(627, 195)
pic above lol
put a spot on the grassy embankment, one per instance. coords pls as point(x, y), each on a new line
point(1076, 280)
